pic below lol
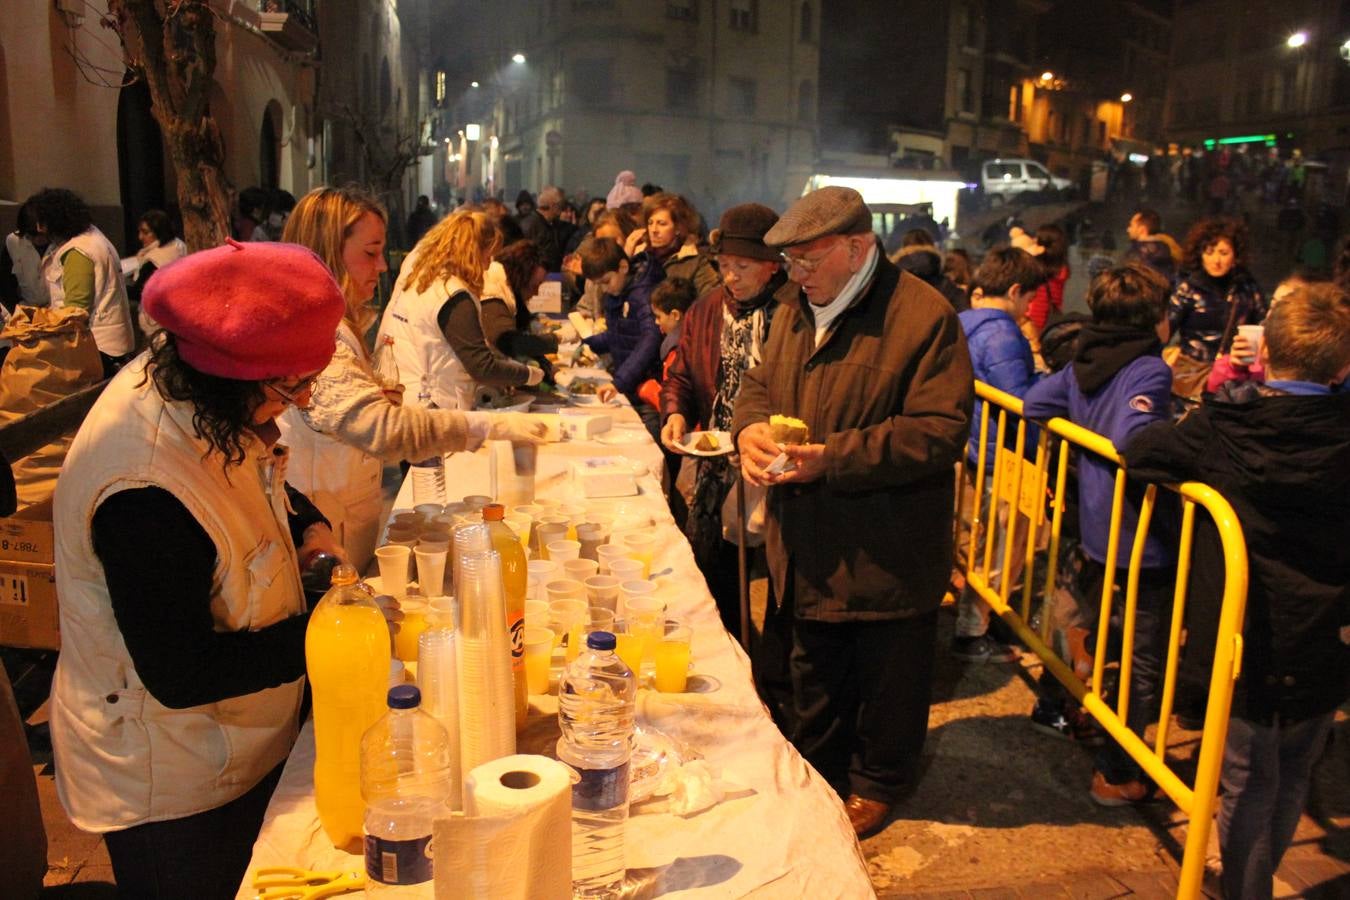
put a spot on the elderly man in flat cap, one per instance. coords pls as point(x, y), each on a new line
point(859, 532)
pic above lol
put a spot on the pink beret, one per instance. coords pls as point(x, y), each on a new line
point(248, 311)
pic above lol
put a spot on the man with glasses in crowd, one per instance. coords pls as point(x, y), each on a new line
point(859, 530)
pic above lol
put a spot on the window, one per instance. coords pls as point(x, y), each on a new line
point(745, 15)
point(806, 102)
point(1003, 171)
point(1037, 171)
point(440, 88)
point(965, 97)
point(741, 96)
point(592, 81)
point(808, 25)
point(682, 89)
point(684, 10)
point(1014, 107)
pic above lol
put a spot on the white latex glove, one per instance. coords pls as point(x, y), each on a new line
point(567, 334)
point(536, 376)
point(518, 428)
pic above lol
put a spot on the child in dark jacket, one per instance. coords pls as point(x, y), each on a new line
point(1116, 385)
point(670, 301)
point(1002, 287)
point(1279, 452)
point(631, 337)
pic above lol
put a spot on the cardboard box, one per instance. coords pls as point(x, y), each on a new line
point(28, 610)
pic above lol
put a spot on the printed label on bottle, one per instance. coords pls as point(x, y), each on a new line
point(398, 862)
point(600, 789)
point(517, 627)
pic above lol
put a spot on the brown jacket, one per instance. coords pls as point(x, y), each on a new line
point(889, 392)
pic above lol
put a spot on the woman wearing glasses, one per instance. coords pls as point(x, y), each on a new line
point(353, 423)
point(176, 696)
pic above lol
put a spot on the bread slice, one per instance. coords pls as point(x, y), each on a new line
point(787, 430)
point(707, 442)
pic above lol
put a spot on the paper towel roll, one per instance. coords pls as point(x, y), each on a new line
point(514, 841)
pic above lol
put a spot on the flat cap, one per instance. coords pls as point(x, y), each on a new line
point(829, 210)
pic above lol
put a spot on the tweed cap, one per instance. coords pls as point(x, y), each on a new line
point(741, 232)
point(829, 210)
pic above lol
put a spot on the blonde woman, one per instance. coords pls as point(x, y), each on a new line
point(434, 316)
point(351, 426)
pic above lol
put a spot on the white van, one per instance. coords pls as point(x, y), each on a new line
point(1002, 180)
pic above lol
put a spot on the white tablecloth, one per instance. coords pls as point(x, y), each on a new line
point(780, 832)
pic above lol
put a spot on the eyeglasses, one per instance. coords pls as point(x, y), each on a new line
point(808, 266)
point(293, 394)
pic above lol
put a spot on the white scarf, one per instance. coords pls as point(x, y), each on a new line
point(825, 315)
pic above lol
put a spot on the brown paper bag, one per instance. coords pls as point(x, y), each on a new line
point(53, 356)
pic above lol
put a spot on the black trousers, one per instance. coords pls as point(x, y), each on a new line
point(861, 693)
point(202, 856)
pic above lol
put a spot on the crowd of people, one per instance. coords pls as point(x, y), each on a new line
point(257, 355)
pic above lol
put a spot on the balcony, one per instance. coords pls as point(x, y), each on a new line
point(290, 23)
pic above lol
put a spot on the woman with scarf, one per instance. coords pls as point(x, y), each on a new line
point(669, 236)
point(724, 335)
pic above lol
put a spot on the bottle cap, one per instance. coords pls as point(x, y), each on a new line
point(493, 512)
point(404, 696)
point(343, 575)
point(600, 640)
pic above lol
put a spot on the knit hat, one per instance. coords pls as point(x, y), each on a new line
point(829, 210)
point(741, 232)
point(248, 311)
point(625, 190)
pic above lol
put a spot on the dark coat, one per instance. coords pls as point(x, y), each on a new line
point(1154, 252)
point(926, 263)
point(1199, 307)
point(1283, 462)
point(631, 336)
point(889, 393)
point(691, 381)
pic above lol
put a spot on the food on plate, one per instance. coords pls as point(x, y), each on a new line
point(787, 430)
point(585, 386)
point(707, 442)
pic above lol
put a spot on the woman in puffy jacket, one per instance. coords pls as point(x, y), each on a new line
point(354, 423)
point(1213, 289)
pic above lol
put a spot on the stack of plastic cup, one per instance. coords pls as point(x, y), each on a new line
point(467, 538)
point(487, 721)
point(438, 679)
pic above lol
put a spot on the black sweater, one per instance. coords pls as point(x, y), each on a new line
point(157, 560)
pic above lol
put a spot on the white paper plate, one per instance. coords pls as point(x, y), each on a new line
point(723, 443)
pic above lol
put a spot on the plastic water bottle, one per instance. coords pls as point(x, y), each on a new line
point(428, 475)
point(596, 706)
point(405, 782)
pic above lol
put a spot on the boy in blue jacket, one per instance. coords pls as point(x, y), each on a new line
point(1116, 385)
point(1001, 288)
point(631, 336)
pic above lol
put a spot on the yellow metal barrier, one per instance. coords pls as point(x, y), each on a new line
point(1021, 486)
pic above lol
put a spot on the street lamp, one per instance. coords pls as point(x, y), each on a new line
point(1047, 76)
point(1126, 97)
point(518, 58)
point(472, 131)
point(1296, 40)
point(473, 84)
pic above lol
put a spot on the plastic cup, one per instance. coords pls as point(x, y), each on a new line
point(533, 510)
point(521, 526)
point(671, 658)
point(431, 570)
point(563, 551)
point(540, 572)
point(1255, 336)
point(429, 511)
point(403, 534)
point(442, 613)
point(606, 553)
point(646, 617)
point(565, 589)
point(546, 533)
point(410, 629)
point(629, 645)
point(641, 546)
point(538, 654)
point(398, 673)
point(628, 569)
point(536, 613)
point(407, 519)
point(476, 502)
point(605, 521)
point(548, 503)
point(393, 561)
point(640, 601)
point(568, 618)
point(580, 569)
point(603, 591)
point(599, 619)
point(591, 539)
point(576, 515)
point(434, 535)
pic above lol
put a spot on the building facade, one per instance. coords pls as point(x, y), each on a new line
point(72, 116)
point(715, 99)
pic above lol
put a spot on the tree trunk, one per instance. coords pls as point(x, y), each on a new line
point(172, 44)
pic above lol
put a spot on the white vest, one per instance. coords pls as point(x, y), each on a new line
point(420, 347)
point(109, 314)
point(341, 480)
point(122, 758)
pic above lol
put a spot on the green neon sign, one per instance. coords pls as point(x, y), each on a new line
point(1268, 139)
